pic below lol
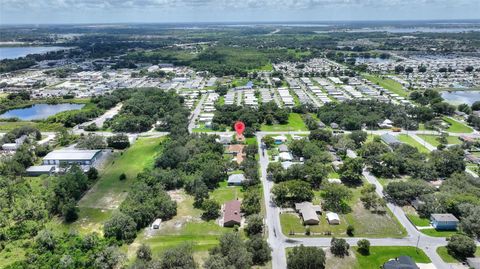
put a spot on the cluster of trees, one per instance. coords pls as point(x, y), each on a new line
point(352, 115)
point(233, 252)
point(70, 250)
point(406, 160)
point(302, 257)
point(13, 100)
point(145, 107)
point(269, 113)
point(177, 257)
point(433, 99)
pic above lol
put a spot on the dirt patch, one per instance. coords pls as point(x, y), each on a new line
point(347, 262)
point(177, 195)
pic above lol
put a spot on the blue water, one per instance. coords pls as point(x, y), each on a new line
point(39, 111)
point(461, 97)
point(17, 52)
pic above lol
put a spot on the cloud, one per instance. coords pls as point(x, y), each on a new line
point(221, 4)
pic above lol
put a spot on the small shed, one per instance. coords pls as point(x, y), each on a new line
point(333, 218)
point(235, 180)
point(444, 221)
point(156, 224)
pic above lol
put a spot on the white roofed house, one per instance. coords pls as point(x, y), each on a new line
point(333, 218)
point(309, 212)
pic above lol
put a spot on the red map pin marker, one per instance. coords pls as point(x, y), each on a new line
point(239, 127)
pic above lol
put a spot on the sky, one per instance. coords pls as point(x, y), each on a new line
point(142, 11)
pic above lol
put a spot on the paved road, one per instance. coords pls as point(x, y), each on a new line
point(196, 112)
point(278, 241)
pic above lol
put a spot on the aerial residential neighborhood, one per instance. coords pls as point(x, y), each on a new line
point(198, 134)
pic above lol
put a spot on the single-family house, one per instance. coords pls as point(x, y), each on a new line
point(333, 218)
point(225, 139)
point(231, 213)
point(390, 140)
point(285, 156)
point(16, 145)
point(309, 212)
point(235, 180)
point(287, 164)
point(402, 262)
point(444, 221)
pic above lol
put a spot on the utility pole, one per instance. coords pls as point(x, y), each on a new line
point(418, 242)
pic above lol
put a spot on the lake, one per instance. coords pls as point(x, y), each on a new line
point(461, 97)
point(39, 111)
point(17, 52)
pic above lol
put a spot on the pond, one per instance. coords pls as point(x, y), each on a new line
point(39, 111)
point(17, 52)
point(461, 97)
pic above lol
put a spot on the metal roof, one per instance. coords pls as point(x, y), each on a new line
point(71, 154)
point(444, 217)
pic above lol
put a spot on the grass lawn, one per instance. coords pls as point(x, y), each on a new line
point(388, 84)
point(412, 142)
point(226, 193)
point(446, 257)
point(202, 129)
point(456, 126)
point(295, 123)
point(6, 126)
point(432, 139)
point(109, 191)
point(418, 221)
point(379, 255)
point(434, 233)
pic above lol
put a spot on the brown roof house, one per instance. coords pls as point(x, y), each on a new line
point(231, 213)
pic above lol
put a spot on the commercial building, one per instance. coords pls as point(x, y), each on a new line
point(71, 156)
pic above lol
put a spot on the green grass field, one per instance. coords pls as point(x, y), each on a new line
point(295, 123)
point(434, 233)
point(388, 84)
point(456, 126)
point(432, 139)
point(379, 255)
point(226, 193)
point(412, 142)
point(109, 191)
point(418, 221)
point(446, 257)
point(6, 126)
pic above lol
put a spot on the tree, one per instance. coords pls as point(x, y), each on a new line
point(335, 197)
point(91, 141)
point(254, 225)
point(350, 230)
point(122, 177)
point(119, 141)
point(476, 105)
point(268, 141)
point(402, 192)
point(121, 227)
point(461, 246)
point(144, 253)
point(358, 137)
point(92, 173)
point(211, 209)
point(290, 192)
point(465, 108)
point(447, 162)
point(351, 171)
point(339, 247)
point(302, 257)
point(70, 211)
point(179, 257)
point(259, 249)
point(321, 135)
point(230, 253)
point(363, 246)
point(470, 222)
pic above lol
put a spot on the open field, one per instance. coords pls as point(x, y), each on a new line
point(432, 140)
point(456, 126)
point(6, 126)
point(446, 257)
point(295, 123)
point(412, 142)
point(388, 84)
point(109, 191)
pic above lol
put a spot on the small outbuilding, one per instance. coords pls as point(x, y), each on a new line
point(283, 148)
point(444, 221)
point(231, 213)
point(333, 218)
point(38, 170)
point(156, 224)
